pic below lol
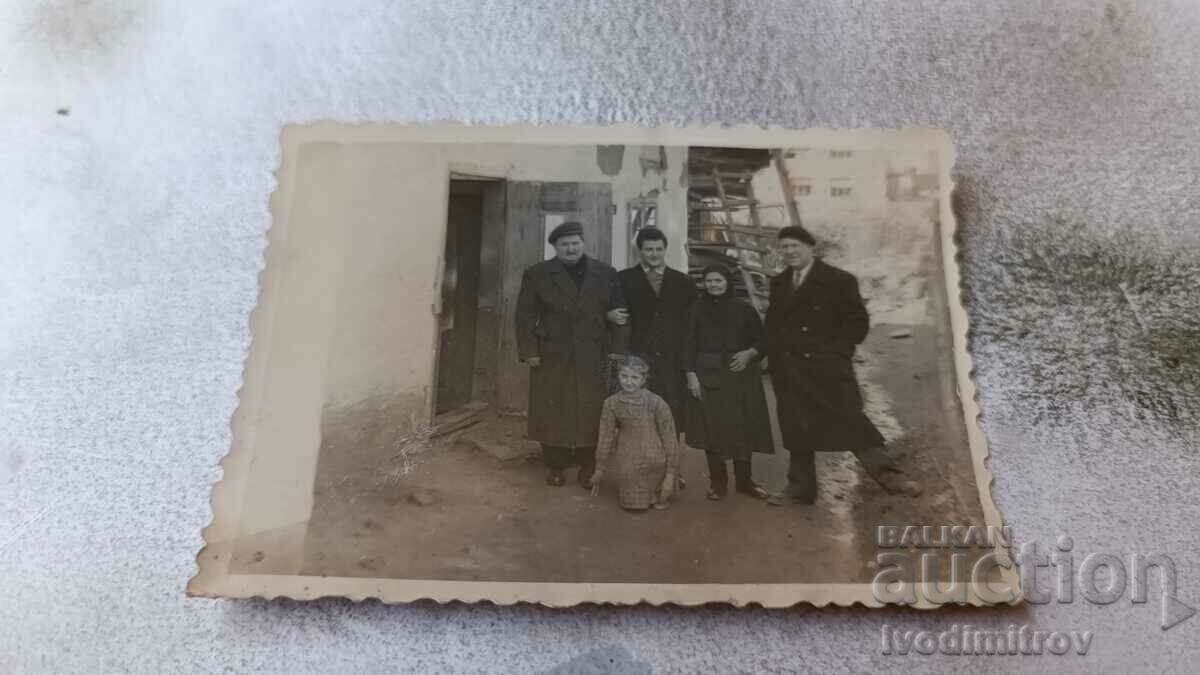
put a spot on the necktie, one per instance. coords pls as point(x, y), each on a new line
point(656, 281)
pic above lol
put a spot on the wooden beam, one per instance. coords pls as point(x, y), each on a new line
point(721, 194)
point(752, 231)
point(753, 204)
point(749, 247)
point(459, 418)
point(723, 208)
point(792, 211)
point(748, 281)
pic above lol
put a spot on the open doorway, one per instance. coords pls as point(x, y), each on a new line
point(496, 229)
point(469, 321)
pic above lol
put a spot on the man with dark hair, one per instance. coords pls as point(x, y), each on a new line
point(562, 313)
point(816, 320)
point(659, 300)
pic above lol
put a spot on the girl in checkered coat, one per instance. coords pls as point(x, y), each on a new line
point(637, 435)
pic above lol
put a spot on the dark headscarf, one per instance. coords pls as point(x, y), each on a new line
point(723, 271)
point(720, 312)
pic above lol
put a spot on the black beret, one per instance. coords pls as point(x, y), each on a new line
point(798, 233)
point(565, 230)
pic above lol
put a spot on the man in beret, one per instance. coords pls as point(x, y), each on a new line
point(816, 320)
point(569, 323)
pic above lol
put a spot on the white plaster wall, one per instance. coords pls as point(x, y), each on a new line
point(388, 282)
point(131, 232)
point(349, 317)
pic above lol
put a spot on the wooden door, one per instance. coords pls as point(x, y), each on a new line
point(531, 207)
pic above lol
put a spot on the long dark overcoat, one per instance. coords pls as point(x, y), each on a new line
point(566, 327)
point(812, 333)
point(657, 324)
point(731, 418)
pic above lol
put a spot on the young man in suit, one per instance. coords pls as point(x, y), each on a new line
point(816, 320)
point(659, 301)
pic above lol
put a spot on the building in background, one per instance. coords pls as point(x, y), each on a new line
point(911, 178)
point(834, 185)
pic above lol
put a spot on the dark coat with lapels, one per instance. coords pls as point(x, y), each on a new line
point(730, 419)
point(657, 325)
point(566, 326)
point(812, 333)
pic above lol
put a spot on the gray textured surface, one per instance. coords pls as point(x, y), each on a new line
point(132, 231)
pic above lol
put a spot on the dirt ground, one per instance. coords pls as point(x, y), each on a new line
point(460, 514)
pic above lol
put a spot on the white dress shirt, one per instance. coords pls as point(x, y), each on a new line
point(799, 275)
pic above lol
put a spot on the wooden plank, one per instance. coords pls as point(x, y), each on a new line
point(754, 267)
point(747, 247)
point(747, 278)
point(735, 204)
point(491, 275)
point(741, 229)
point(560, 198)
point(595, 210)
point(522, 248)
point(755, 297)
point(459, 418)
point(789, 199)
point(751, 231)
point(721, 195)
point(753, 204)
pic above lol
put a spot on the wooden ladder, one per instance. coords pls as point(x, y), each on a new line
point(737, 235)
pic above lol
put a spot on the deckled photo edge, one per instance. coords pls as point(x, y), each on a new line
point(212, 578)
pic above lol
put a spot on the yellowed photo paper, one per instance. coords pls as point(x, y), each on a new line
point(610, 365)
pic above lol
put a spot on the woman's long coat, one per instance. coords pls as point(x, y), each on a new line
point(567, 328)
point(812, 333)
point(731, 418)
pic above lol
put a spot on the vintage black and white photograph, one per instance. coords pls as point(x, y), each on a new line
point(607, 365)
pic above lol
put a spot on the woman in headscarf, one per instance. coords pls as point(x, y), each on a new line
point(727, 414)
